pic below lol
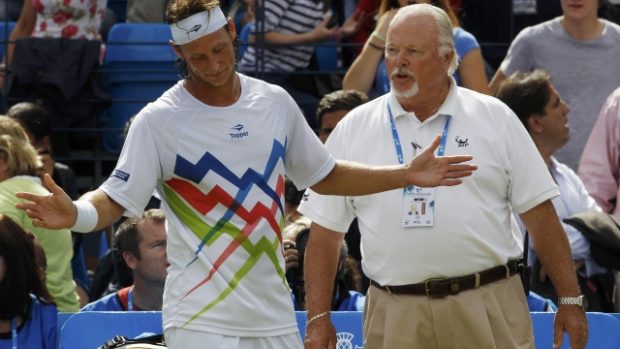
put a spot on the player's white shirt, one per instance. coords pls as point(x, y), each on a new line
point(220, 172)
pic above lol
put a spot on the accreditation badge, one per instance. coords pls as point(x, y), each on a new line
point(418, 207)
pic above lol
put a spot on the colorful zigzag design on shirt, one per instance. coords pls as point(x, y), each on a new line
point(190, 204)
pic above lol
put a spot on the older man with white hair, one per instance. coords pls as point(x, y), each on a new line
point(442, 261)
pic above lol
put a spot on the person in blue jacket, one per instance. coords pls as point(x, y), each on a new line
point(142, 245)
point(27, 314)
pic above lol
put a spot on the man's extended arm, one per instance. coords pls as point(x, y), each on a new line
point(57, 211)
point(425, 170)
point(320, 264)
point(553, 250)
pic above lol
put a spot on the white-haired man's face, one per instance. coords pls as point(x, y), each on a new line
point(412, 58)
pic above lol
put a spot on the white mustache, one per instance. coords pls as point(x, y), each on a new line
point(402, 71)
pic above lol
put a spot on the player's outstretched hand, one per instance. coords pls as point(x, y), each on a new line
point(52, 211)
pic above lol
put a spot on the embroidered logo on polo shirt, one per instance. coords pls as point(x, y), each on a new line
point(124, 176)
point(239, 133)
point(461, 142)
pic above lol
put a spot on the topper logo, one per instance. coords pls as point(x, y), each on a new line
point(238, 134)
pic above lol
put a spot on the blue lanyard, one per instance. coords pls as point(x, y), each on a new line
point(399, 149)
point(14, 333)
point(130, 299)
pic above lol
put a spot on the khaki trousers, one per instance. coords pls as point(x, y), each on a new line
point(493, 316)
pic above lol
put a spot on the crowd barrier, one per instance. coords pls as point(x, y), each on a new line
point(89, 330)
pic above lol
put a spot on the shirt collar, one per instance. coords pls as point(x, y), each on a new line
point(448, 107)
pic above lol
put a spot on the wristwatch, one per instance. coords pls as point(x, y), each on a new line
point(571, 301)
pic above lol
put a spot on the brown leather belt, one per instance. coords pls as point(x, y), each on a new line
point(439, 288)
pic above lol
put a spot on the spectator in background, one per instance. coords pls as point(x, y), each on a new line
point(363, 71)
point(291, 29)
point(146, 11)
point(334, 106)
point(366, 12)
point(599, 168)
point(36, 122)
point(347, 284)
point(545, 115)
point(142, 245)
point(27, 314)
point(242, 12)
point(64, 77)
point(18, 172)
point(580, 51)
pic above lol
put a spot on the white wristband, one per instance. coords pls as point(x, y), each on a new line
point(87, 217)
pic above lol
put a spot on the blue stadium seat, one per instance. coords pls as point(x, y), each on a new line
point(5, 31)
point(327, 55)
point(89, 330)
point(139, 67)
point(604, 331)
point(139, 42)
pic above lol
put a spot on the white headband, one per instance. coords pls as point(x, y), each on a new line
point(197, 25)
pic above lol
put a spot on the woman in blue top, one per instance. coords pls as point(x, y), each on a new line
point(369, 64)
point(27, 318)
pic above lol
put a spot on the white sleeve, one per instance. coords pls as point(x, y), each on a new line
point(530, 181)
point(307, 160)
point(330, 211)
point(137, 171)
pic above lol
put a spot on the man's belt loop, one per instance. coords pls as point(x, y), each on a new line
point(477, 284)
point(507, 270)
point(427, 289)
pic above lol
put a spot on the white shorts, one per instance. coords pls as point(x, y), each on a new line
point(183, 339)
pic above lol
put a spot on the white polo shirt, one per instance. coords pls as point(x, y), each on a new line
point(472, 229)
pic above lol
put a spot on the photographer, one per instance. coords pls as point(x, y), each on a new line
point(347, 284)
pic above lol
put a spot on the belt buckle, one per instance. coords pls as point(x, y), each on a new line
point(455, 287)
point(427, 289)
